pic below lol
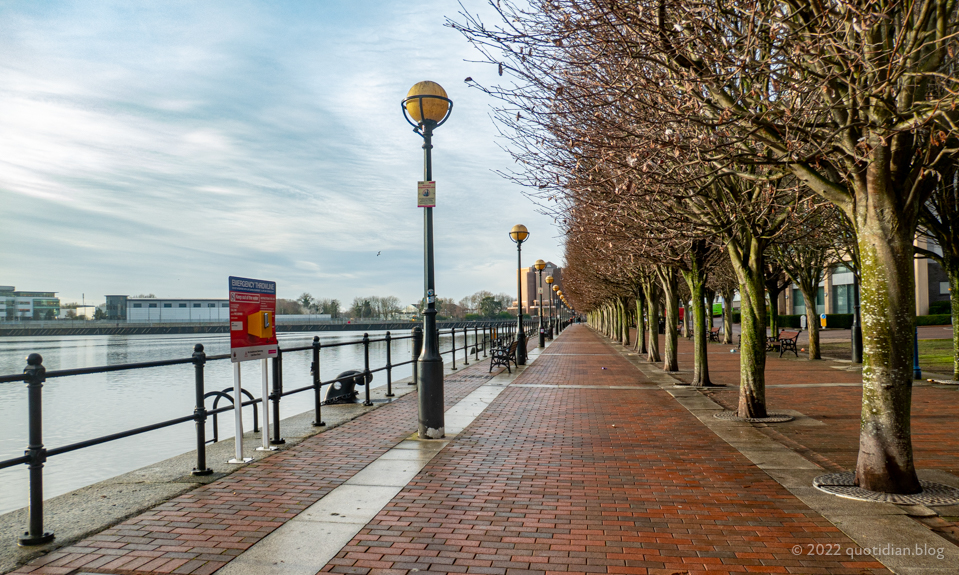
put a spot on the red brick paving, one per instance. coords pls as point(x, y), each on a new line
point(200, 531)
point(594, 480)
point(835, 445)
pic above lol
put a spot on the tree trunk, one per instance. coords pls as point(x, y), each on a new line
point(888, 315)
point(624, 320)
point(954, 294)
point(640, 322)
point(695, 278)
point(728, 296)
point(773, 313)
point(671, 336)
point(748, 262)
point(652, 307)
point(812, 321)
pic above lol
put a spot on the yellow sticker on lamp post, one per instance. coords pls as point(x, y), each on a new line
point(426, 194)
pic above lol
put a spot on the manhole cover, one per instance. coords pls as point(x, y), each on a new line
point(770, 418)
point(843, 485)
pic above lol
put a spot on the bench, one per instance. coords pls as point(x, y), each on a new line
point(786, 341)
point(503, 356)
point(713, 334)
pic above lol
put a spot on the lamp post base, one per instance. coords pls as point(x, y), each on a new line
point(432, 423)
point(27, 540)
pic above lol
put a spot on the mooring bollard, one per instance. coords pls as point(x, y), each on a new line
point(199, 412)
point(315, 372)
point(366, 368)
point(276, 395)
point(389, 366)
point(35, 376)
point(417, 349)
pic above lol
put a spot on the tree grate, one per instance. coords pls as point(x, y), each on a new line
point(843, 485)
point(770, 418)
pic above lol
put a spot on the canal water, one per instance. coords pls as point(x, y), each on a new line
point(88, 406)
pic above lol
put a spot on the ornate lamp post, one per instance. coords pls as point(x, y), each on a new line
point(426, 107)
point(540, 265)
point(559, 294)
point(519, 234)
point(550, 288)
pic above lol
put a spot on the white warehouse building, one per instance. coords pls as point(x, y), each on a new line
point(157, 310)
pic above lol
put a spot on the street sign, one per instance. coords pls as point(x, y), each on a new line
point(426, 194)
point(252, 319)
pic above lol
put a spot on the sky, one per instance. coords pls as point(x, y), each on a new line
point(160, 147)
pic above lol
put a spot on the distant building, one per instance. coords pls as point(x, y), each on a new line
point(836, 293)
point(149, 309)
point(20, 305)
point(530, 286)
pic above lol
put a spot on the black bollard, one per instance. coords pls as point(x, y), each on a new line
point(35, 376)
point(366, 368)
point(199, 412)
point(315, 372)
point(276, 395)
point(389, 366)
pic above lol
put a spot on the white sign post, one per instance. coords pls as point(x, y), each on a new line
point(238, 416)
point(266, 410)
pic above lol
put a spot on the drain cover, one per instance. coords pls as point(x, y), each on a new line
point(843, 485)
point(770, 418)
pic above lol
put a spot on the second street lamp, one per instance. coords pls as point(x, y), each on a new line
point(518, 234)
point(426, 107)
point(540, 265)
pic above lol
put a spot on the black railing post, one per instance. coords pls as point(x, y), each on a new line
point(35, 376)
point(199, 412)
point(315, 372)
point(475, 344)
point(453, 349)
point(366, 368)
point(276, 396)
point(389, 366)
point(466, 346)
point(417, 349)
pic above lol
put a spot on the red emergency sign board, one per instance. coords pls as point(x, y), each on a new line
point(252, 316)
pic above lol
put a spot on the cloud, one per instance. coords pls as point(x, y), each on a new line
point(162, 147)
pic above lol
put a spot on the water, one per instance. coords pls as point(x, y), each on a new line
point(88, 406)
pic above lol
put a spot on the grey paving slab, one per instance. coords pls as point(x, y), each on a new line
point(350, 504)
point(294, 549)
point(900, 543)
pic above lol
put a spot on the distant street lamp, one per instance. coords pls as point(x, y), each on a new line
point(426, 107)
point(552, 305)
point(540, 265)
point(518, 234)
point(549, 285)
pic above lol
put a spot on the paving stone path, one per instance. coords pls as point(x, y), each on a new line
point(579, 478)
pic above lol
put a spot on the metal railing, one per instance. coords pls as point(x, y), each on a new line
point(485, 335)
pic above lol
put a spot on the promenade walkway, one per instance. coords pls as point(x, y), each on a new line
point(586, 461)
